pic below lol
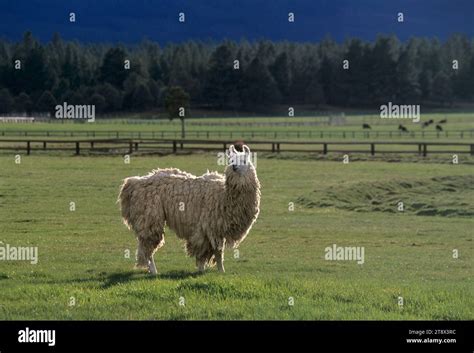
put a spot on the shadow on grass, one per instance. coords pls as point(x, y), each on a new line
point(125, 277)
point(105, 280)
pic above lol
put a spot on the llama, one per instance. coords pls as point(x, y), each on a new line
point(208, 212)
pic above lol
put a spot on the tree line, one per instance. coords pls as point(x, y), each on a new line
point(244, 76)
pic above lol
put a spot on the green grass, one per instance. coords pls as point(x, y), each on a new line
point(443, 196)
point(81, 253)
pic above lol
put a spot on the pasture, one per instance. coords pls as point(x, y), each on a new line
point(83, 271)
point(458, 126)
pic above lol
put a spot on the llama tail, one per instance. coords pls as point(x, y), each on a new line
point(125, 199)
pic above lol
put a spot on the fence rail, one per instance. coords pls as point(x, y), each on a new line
point(129, 146)
point(304, 134)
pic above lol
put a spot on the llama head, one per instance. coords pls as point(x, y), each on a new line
point(240, 163)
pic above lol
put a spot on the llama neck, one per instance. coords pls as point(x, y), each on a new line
point(240, 207)
point(242, 194)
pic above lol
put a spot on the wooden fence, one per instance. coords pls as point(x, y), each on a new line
point(234, 134)
point(174, 145)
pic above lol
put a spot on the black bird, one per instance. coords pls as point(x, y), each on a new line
point(430, 121)
point(425, 124)
point(366, 126)
point(439, 128)
point(444, 121)
point(402, 128)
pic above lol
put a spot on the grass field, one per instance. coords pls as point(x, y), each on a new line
point(82, 253)
point(256, 128)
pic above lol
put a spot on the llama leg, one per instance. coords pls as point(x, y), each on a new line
point(158, 242)
point(220, 260)
point(219, 255)
point(201, 264)
point(205, 260)
point(152, 266)
point(200, 248)
point(147, 246)
point(142, 258)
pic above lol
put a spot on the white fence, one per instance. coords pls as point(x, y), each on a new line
point(16, 119)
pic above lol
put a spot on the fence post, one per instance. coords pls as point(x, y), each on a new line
point(472, 150)
point(130, 147)
point(44, 145)
point(372, 149)
point(278, 147)
point(174, 146)
point(77, 148)
point(136, 146)
point(419, 149)
point(425, 152)
point(92, 145)
point(28, 147)
point(225, 147)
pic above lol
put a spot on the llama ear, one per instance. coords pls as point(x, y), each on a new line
point(246, 149)
point(232, 149)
